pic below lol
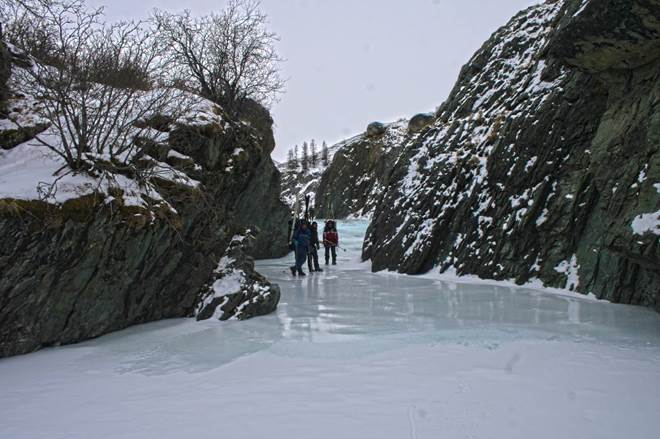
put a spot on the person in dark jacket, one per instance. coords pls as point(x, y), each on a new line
point(313, 257)
point(302, 238)
point(330, 241)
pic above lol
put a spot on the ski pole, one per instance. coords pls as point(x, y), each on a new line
point(340, 248)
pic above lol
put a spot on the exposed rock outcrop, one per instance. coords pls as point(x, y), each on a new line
point(420, 121)
point(543, 162)
point(375, 129)
point(96, 263)
point(236, 290)
point(359, 172)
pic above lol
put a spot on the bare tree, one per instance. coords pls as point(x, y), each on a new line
point(227, 57)
point(106, 86)
point(24, 26)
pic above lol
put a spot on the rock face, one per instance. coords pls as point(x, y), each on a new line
point(297, 183)
point(543, 162)
point(358, 169)
point(260, 206)
point(94, 264)
point(359, 172)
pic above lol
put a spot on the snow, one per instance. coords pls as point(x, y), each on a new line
point(30, 171)
point(22, 113)
point(583, 6)
point(646, 223)
point(28, 167)
point(177, 155)
point(230, 282)
point(201, 111)
point(570, 269)
point(352, 354)
point(543, 217)
point(641, 178)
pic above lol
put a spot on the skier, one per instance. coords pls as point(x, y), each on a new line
point(330, 241)
point(302, 237)
point(313, 257)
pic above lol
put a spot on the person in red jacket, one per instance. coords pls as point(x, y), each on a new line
point(330, 241)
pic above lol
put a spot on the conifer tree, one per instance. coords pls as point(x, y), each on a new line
point(313, 154)
point(291, 161)
point(305, 157)
point(324, 154)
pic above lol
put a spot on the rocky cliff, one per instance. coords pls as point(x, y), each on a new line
point(99, 254)
point(297, 183)
point(359, 171)
point(543, 162)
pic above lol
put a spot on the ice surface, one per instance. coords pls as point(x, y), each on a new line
point(351, 354)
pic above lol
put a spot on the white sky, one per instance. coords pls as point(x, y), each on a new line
point(351, 62)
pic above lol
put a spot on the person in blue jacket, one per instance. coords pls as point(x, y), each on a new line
point(302, 238)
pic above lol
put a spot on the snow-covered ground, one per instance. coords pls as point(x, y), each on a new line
point(351, 354)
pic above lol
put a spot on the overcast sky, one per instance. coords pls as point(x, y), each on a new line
point(350, 62)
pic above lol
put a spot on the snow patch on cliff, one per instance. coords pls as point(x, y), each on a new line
point(646, 223)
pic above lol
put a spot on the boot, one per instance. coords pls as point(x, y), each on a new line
point(293, 270)
point(334, 262)
point(318, 269)
point(301, 273)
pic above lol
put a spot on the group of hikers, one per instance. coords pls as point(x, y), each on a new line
point(305, 244)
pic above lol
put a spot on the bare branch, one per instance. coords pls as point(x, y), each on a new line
point(228, 57)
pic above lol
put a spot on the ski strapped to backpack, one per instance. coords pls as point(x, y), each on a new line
point(294, 221)
point(307, 207)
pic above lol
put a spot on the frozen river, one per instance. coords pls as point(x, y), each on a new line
point(351, 354)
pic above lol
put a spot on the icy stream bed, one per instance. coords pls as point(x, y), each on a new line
point(351, 354)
